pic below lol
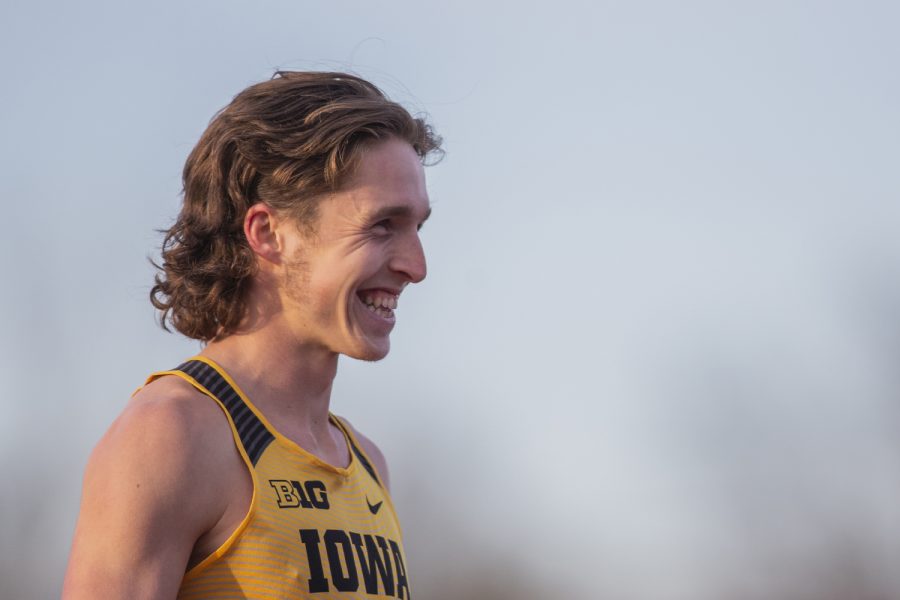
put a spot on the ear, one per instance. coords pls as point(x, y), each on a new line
point(260, 229)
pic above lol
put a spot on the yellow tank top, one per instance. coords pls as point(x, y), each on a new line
point(312, 531)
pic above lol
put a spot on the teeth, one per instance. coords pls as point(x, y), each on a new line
point(381, 311)
point(380, 302)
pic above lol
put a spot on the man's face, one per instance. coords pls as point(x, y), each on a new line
point(341, 285)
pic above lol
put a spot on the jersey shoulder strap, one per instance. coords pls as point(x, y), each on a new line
point(210, 379)
point(357, 449)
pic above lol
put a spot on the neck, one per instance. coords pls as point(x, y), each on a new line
point(289, 382)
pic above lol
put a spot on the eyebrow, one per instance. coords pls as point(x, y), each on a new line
point(389, 212)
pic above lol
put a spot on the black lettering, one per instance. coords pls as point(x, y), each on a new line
point(317, 494)
point(343, 582)
point(284, 493)
point(317, 581)
point(376, 564)
point(402, 584)
point(300, 495)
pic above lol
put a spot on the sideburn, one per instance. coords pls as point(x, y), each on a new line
point(297, 277)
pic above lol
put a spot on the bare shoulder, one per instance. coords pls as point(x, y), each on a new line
point(141, 512)
point(373, 452)
point(171, 430)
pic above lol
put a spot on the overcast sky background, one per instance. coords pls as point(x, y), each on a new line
point(656, 356)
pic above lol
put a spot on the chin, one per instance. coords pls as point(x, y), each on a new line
point(370, 352)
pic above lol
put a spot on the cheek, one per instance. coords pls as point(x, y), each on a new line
point(334, 281)
point(332, 295)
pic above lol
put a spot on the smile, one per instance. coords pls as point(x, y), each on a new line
point(379, 302)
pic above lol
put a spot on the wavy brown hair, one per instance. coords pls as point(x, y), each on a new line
point(285, 142)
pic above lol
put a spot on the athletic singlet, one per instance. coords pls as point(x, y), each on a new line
point(312, 531)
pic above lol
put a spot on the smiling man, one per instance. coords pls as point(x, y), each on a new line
point(228, 476)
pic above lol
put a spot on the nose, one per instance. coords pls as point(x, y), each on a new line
point(409, 259)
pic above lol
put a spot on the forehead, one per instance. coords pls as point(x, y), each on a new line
point(389, 178)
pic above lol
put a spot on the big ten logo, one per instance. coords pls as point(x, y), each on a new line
point(291, 494)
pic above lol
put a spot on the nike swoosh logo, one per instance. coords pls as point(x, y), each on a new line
point(374, 508)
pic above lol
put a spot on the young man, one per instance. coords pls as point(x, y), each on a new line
point(228, 477)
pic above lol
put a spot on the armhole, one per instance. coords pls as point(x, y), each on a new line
point(236, 534)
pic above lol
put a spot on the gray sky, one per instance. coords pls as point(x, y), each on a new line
point(655, 356)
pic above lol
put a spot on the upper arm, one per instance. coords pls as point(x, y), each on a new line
point(374, 453)
point(146, 499)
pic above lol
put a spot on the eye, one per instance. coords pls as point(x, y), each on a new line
point(383, 226)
